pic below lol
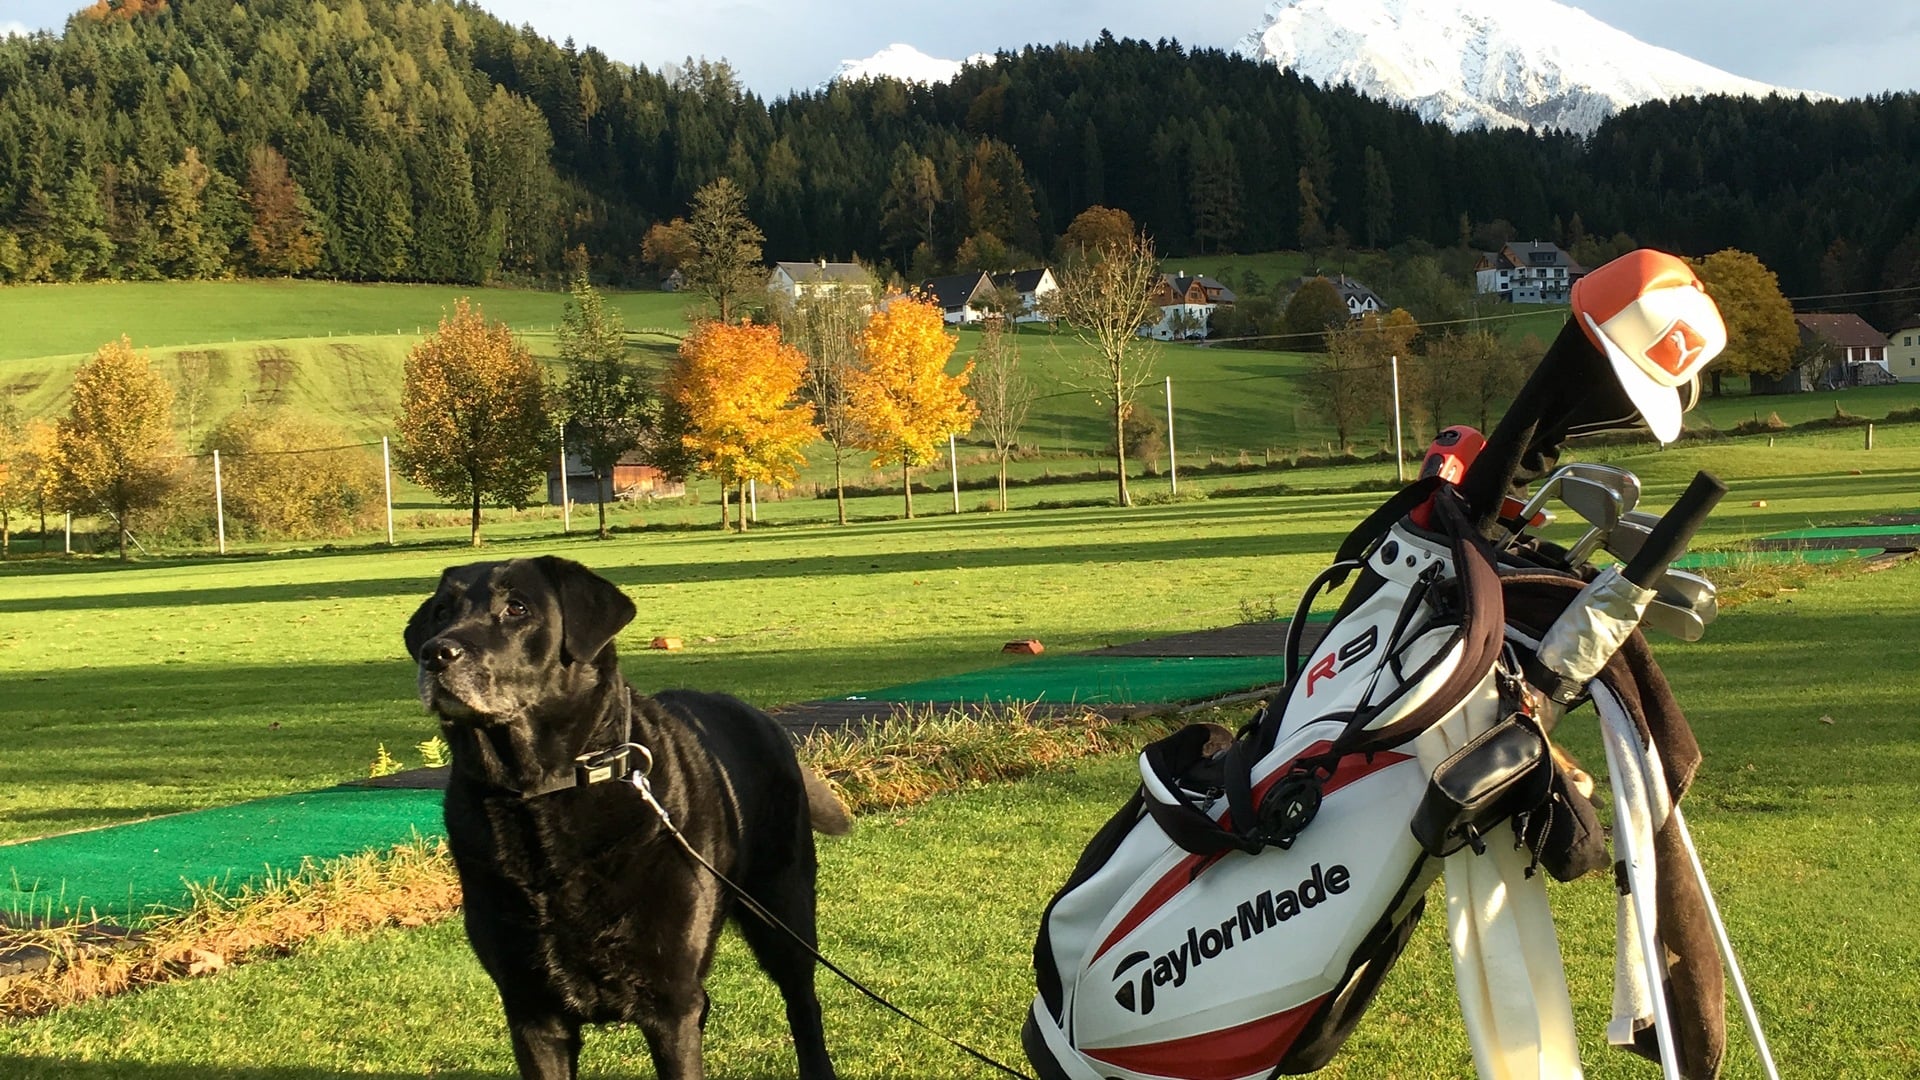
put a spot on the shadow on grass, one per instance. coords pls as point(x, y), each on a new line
point(46, 1068)
point(1290, 542)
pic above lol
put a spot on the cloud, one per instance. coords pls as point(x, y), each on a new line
point(9, 29)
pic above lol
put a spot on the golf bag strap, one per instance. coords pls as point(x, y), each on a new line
point(1482, 632)
point(1375, 525)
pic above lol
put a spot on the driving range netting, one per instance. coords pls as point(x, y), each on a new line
point(125, 871)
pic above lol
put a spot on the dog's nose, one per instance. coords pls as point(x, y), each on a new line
point(439, 654)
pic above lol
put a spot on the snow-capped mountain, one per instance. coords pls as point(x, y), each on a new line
point(907, 64)
point(1484, 63)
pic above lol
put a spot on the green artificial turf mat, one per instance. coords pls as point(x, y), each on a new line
point(1708, 560)
point(1841, 532)
point(124, 871)
point(1096, 680)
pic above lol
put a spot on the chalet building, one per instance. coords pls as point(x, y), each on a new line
point(1033, 286)
point(796, 279)
point(631, 479)
point(1186, 305)
point(1527, 273)
point(1855, 354)
point(964, 299)
point(1359, 299)
point(1903, 350)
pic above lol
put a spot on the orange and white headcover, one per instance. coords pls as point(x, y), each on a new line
point(1649, 314)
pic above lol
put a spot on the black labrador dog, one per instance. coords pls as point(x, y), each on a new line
point(579, 903)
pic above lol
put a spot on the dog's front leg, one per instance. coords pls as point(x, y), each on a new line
point(545, 1047)
point(673, 1035)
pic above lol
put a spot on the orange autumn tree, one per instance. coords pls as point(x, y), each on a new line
point(738, 385)
point(900, 391)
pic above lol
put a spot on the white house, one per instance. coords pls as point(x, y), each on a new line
point(793, 279)
point(1186, 305)
point(1033, 286)
point(964, 299)
point(1359, 299)
point(1534, 272)
point(1903, 350)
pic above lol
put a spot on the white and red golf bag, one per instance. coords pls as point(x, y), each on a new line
point(1233, 920)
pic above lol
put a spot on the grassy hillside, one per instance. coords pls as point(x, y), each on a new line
point(335, 351)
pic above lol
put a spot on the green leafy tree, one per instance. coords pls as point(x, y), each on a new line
point(604, 399)
point(725, 266)
point(473, 417)
point(1315, 309)
point(116, 450)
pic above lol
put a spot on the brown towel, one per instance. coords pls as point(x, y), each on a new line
point(1695, 984)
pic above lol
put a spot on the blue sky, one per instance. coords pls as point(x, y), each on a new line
point(777, 45)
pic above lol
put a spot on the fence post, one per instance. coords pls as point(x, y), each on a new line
point(219, 505)
point(953, 463)
point(1869, 435)
point(753, 501)
point(1173, 456)
point(386, 471)
point(1399, 453)
point(566, 499)
point(69, 532)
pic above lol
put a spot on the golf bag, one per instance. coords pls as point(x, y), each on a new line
point(1234, 919)
point(1238, 914)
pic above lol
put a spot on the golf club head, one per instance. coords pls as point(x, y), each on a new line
point(1678, 622)
point(1597, 503)
point(1691, 591)
point(1613, 476)
point(1630, 533)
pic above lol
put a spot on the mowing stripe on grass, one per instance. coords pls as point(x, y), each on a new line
point(1096, 680)
point(125, 871)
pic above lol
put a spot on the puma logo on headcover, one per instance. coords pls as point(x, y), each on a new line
point(1677, 347)
point(1252, 918)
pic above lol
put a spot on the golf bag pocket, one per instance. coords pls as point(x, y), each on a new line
point(1503, 771)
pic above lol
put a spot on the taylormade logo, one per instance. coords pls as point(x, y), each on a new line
point(1254, 917)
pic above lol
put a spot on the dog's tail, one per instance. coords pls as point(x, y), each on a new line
point(828, 814)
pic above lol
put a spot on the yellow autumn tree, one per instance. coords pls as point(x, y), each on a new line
point(900, 391)
point(473, 415)
point(115, 447)
point(737, 385)
point(29, 480)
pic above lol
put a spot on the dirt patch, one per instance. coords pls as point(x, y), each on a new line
point(273, 375)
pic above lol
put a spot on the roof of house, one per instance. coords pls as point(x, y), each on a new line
point(1020, 280)
point(956, 291)
point(1348, 288)
point(822, 270)
point(1518, 253)
point(1215, 290)
point(1847, 331)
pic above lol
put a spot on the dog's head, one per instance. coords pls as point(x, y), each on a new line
point(505, 641)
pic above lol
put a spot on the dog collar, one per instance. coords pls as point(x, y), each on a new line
point(626, 760)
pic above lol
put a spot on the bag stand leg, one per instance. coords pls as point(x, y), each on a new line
point(1726, 951)
point(1631, 794)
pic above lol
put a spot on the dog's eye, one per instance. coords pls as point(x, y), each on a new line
point(515, 609)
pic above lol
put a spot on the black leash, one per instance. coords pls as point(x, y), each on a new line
point(639, 781)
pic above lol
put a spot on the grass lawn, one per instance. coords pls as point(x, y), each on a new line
point(55, 320)
point(177, 683)
point(1806, 794)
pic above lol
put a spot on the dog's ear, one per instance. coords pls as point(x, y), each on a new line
point(592, 609)
point(423, 626)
